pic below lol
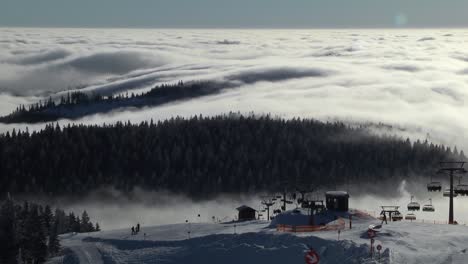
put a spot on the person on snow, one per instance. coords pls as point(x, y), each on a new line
point(138, 228)
point(384, 218)
point(133, 230)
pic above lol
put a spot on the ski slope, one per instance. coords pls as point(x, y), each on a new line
point(254, 242)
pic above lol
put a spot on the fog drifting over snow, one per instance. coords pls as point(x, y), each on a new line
point(115, 210)
point(416, 79)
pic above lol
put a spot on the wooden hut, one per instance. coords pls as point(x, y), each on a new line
point(337, 200)
point(246, 213)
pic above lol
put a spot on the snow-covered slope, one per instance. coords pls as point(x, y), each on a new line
point(253, 242)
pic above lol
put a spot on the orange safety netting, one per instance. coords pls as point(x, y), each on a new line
point(340, 224)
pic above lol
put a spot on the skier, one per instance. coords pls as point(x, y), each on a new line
point(384, 218)
point(133, 230)
point(138, 228)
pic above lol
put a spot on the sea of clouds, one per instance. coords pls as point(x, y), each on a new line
point(416, 80)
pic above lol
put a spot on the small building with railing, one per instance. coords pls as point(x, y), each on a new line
point(337, 201)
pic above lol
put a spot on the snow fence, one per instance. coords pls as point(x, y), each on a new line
point(339, 224)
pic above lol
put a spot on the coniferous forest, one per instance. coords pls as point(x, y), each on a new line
point(205, 156)
point(79, 104)
point(29, 232)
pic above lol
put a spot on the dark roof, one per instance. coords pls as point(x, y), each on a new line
point(337, 194)
point(245, 207)
point(390, 207)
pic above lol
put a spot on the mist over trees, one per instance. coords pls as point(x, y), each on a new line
point(205, 156)
point(29, 232)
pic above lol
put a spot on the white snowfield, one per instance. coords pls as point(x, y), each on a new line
point(254, 242)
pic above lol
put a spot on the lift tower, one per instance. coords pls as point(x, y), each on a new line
point(451, 167)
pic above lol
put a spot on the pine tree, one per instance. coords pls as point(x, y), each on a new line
point(85, 225)
point(23, 236)
point(47, 218)
point(77, 225)
point(71, 222)
point(97, 228)
point(35, 249)
point(8, 240)
point(53, 243)
point(62, 221)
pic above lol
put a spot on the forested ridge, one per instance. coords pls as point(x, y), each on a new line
point(204, 156)
point(79, 104)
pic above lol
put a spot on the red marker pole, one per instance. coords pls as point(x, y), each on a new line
point(312, 257)
point(379, 248)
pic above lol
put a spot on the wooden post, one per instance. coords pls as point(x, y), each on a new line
point(451, 199)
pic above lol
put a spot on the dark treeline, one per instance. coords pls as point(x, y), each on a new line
point(207, 156)
point(78, 104)
point(29, 232)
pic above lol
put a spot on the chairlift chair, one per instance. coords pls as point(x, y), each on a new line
point(413, 206)
point(397, 216)
point(434, 187)
point(410, 217)
point(428, 207)
point(461, 189)
point(447, 193)
point(464, 188)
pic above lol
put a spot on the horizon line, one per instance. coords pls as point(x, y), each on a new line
point(236, 28)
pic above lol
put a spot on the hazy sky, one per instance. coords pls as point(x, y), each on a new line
point(234, 13)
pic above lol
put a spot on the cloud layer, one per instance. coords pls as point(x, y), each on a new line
point(416, 79)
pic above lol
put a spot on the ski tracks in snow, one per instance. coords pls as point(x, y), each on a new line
point(84, 252)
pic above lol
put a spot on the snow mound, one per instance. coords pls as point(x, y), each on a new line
point(230, 248)
point(253, 242)
point(296, 217)
point(300, 217)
